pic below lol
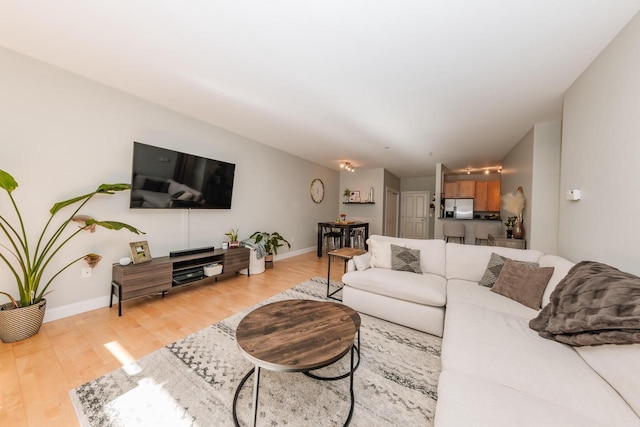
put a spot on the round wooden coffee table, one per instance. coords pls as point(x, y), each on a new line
point(297, 336)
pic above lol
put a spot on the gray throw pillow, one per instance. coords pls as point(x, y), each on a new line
point(405, 259)
point(496, 262)
point(523, 283)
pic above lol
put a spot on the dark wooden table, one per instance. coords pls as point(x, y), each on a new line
point(345, 230)
point(296, 336)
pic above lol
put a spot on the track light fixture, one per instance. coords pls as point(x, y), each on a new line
point(347, 166)
point(484, 170)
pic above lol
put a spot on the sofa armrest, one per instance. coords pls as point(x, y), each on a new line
point(351, 266)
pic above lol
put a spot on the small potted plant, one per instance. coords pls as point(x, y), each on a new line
point(22, 317)
point(272, 241)
point(510, 221)
point(346, 194)
point(233, 237)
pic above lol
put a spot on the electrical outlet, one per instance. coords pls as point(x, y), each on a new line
point(86, 272)
point(291, 240)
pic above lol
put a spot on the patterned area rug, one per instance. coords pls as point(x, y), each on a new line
point(192, 382)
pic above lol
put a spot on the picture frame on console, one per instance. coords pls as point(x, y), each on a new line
point(140, 252)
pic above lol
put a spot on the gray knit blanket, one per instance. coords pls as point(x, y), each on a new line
point(261, 251)
point(594, 304)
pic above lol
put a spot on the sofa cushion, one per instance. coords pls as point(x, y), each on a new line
point(523, 282)
point(465, 401)
point(154, 199)
point(463, 291)
point(155, 185)
point(362, 262)
point(432, 251)
point(380, 253)
point(501, 348)
point(405, 259)
point(184, 195)
point(427, 289)
point(561, 267)
point(619, 365)
point(494, 268)
point(469, 262)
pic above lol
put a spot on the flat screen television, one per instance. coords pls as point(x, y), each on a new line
point(168, 179)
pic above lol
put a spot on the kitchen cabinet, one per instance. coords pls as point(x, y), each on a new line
point(459, 189)
point(466, 189)
point(493, 196)
point(487, 196)
point(450, 190)
point(480, 200)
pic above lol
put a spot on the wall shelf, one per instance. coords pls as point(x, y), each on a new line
point(358, 203)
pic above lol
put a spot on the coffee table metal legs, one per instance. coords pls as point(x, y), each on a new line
point(256, 385)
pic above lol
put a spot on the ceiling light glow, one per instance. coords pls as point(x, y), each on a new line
point(347, 166)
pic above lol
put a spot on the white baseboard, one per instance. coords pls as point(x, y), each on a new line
point(285, 255)
point(93, 304)
point(76, 308)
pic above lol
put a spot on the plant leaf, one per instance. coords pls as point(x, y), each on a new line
point(114, 225)
point(103, 189)
point(111, 188)
point(66, 203)
point(7, 182)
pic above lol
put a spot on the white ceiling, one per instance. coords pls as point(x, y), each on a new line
point(397, 84)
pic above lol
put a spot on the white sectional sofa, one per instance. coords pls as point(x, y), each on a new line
point(496, 370)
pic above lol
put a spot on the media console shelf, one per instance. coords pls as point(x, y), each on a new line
point(161, 274)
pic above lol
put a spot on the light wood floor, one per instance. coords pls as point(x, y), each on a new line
point(36, 374)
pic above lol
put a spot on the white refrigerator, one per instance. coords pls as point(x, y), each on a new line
point(458, 208)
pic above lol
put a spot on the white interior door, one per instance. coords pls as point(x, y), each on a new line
point(391, 211)
point(415, 214)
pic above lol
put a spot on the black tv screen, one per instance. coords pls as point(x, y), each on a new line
point(168, 179)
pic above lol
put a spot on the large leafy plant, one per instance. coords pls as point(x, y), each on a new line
point(272, 241)
point(27, 266)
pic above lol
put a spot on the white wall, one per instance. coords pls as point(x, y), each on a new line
point(362, 180)
point(601, 157)
point(517, 171)
point(545, 187)
point(534, 164)
point(63, 135)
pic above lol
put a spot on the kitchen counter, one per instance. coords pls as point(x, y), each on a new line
point(469, 224)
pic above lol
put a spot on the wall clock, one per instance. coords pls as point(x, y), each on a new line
point(317, 190)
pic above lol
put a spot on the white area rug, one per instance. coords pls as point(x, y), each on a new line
point(192, 382)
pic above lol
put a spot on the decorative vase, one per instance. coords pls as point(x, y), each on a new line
point(509, 234)
point(518, 229)
point(20, 323)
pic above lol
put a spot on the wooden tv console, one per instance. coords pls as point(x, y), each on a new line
point(162, 274)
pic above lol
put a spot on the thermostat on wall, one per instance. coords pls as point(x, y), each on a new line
point(573, 194)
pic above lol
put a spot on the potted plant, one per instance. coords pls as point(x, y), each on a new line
point(272, 241)
point(346, 194)
point(509, 224)
point(514, 203)
point(22, 317)
point(233, 237)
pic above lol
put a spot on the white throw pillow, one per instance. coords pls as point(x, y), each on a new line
point(380, 254)
point(362, 262)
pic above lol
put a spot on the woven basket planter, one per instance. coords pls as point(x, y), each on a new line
point(20, 323)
